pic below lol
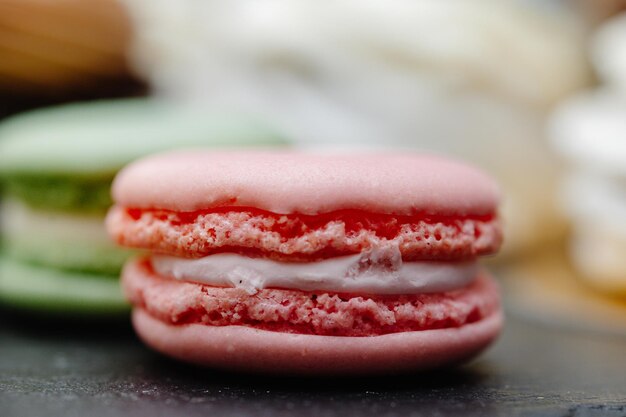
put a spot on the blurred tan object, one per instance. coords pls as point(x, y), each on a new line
point(547, 290)
point(589, 131)
point(599, 10)
point(473, 79)
point(59, 47)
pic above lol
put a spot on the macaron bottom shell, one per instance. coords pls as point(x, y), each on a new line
point(295, 332)
point(56, 291)
point(316, 312)
point(247, 349)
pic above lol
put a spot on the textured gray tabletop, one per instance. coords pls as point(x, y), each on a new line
point(48, 370)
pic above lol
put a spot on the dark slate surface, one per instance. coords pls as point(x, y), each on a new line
point(47, 370)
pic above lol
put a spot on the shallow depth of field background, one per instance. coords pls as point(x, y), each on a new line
point(534, 92)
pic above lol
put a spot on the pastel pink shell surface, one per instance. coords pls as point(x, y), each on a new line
point(290, 182)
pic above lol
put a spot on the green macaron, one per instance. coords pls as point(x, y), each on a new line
point(66, 157)
point(56, 168)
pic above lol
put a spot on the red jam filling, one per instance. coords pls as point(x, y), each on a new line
point(293, 225)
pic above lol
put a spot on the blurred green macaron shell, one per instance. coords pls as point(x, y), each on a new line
point(65, 157)
point(56, 169)
point(45, 289)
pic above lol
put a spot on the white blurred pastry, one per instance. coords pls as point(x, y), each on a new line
point(473, 79)
point(608, 52)
point(590, 132)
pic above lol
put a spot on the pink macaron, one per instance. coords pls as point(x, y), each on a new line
point(295, 263)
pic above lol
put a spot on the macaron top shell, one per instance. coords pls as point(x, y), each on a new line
point(289, 182)
point(96, 139)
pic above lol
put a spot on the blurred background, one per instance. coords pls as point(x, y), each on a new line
point(534, 92)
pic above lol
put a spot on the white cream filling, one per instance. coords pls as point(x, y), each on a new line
point(20, 222)
point(370, 273)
